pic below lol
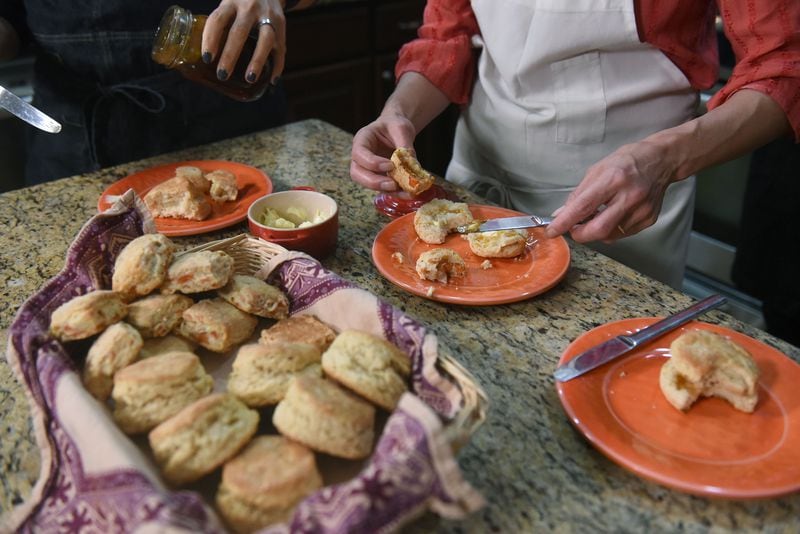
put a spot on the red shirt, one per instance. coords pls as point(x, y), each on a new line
point(764, 35)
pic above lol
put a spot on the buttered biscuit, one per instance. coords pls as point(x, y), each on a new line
point(261, 373)
point(223, 185)
point(498, 244)
point(195, 176)
point(255, 296)
point(169, 343)
point(440, 265)
point(709, 364)
point(198, 271)
point(158, 315)
point(300, 329)
point(177, 198)
point(202, 436)
point(87, 315)
point(372, 367)
point(117, 347)
point(437, 218)
point(216, 325)
point(325, 417)
point(142, 265)
point(152, 390)
point(264, 482)
point(408, 173)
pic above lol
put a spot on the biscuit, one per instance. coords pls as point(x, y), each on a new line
point(202, 436)
point(709, 364)
point(372, 367)
point(196, 272)
point(261, 373)
point(158, 315)
point(408, 173)
point(301, 329)
point(87, 315)
point(160, 345)
point(195, 176)
point(498, 244)
point(223, 185)
point(253, 295)
point(216, 325)
point(142, 265)
point(150, 391)
point(437, 218)
point(440, 265)
point(117, 347)
point(177, 198)
point(264, 482)
point(325, 417)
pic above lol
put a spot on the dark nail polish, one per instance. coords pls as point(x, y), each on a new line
point(222, 74)
point(251, 77)
point(206, 57)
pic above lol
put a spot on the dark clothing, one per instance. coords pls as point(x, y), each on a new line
point(94, 75)
point(768, 250)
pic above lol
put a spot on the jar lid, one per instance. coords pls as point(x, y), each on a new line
point(399, 203)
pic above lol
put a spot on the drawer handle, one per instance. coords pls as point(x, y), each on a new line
point(409, 25)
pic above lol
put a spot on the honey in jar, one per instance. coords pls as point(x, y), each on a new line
point(178, 44)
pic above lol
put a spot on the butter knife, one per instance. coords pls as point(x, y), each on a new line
point(613, 348)
point(504, 223)
point(16, 106)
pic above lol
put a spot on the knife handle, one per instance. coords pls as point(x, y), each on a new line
point(673, 321)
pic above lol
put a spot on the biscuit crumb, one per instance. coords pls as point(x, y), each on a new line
point(486, 265)
point(398, 257)
point(430, 291)
point(622, 374)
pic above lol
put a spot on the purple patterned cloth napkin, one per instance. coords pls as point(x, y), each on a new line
point(94, 478)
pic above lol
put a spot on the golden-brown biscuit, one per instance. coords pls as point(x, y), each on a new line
point(264, 482)
point(440, 265)
point(177, 198)
point(408, 173)
point(253, 295)
point(202, 436)
point(709, 364)
point(223, 185)
point(195, 176)
point(261, 373)
point(372, 367)
point(150, 391)
point(498, 244)
point(216, 325)
point(87, 315)
point(158, 315)
point(142, 265)
point(117, 347)
point(196, 272)
point(437, 218)
point(161, 345)
point(325, 417)
point(299, 329)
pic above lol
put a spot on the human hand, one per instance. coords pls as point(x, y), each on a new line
point(240, 17)
point(373, 146)
point(620, 195)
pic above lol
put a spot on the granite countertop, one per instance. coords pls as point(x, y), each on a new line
point(535, 470)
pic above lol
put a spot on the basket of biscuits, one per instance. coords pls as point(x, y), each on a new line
point(235, 386)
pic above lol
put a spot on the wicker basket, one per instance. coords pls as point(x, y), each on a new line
point(251, 254)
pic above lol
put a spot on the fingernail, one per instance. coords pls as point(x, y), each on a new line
point(386, 166)
point(222, 74)
point(388, 186)
point(206, 57)
point(251, 76)
point(555, 213)
point(275, 81)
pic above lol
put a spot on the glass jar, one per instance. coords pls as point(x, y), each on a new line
point(178, 45)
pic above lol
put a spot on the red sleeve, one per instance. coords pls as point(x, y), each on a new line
point(442, 52)
point(765, 36)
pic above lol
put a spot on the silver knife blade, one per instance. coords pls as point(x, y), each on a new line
point(505, 223)
point(18, 107)
point(615, 347)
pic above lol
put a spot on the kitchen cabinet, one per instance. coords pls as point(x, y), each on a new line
point(340, 68)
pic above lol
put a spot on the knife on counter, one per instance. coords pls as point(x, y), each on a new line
point(19, 108)
point(504, 223)
point(615, 347)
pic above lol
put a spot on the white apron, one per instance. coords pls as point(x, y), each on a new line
point(561, 85)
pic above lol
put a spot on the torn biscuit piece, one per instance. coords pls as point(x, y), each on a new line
point(408, 173)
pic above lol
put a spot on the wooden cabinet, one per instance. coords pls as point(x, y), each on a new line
point(340, 68)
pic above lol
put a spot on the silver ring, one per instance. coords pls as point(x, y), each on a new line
point(265, 22)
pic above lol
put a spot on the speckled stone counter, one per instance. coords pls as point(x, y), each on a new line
point(535, 470)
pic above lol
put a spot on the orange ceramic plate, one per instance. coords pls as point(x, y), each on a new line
point(540, 267)
point(252, 184)
point(712, 449)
